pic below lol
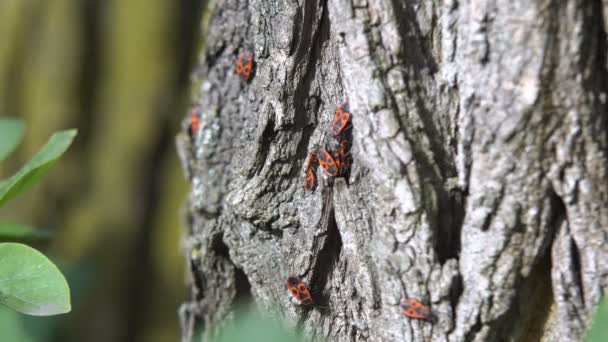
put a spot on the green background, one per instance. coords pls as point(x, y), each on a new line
point(118, 71)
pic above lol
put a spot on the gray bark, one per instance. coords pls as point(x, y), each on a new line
point(479, 183)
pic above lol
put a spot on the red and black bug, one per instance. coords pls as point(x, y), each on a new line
point(195, 120)
point(310, 181)
point(245, 64)
point(299, 289)
point(312, 160)
point(338, 163)
point(414, 309)
point(330, 165)
point(341, 119)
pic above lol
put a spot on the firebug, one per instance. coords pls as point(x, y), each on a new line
point(245, 64)
point(195, 121)
point(341, 119)
point(310, 181)
point(330, 165)
point(414, 309)
point(312, 160)
point(299, 289)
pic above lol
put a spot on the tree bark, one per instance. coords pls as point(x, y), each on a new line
point(479, 183)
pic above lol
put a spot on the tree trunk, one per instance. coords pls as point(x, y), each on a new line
point(479, 182)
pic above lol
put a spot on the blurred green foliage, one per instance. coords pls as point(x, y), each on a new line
point(252, 326)
point(599, 326)
point(11, 133)
point(19, 232)
point(118, 71)
point(12, 327)
point(29, 282)
point(37, 166)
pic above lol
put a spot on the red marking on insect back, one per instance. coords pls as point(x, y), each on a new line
point(414, 309)
point(244, 65)
point(341, 119)
point(298, 289)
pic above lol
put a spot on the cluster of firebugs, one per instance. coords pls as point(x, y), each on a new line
point(336, 164)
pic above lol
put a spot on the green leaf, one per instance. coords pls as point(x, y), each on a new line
point(30, 283)
point(11, 133)
point(12, 232)
point(37, 166)
point(253, 327)
point(12, 327)
point(599, 327)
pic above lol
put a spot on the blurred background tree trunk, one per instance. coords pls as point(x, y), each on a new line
point(479, 184)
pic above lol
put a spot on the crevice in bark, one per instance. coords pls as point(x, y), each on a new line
point(455, 294)
point(535, 300)
point(560, 215)
point(407, 25)
point(439, 155)
point(219, 247)
point(421, 59)
point(535, 295)
point(305, 30)
point(451, 217)
point(302, 89)
point(326, 261)
point(277, 233)
point(526, 319)
point(309, 43)
point(320, 36)
point(476, 328)
point(243, 287)
point(241, 282)
point(576, 262)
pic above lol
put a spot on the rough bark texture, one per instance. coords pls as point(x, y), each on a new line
point(479, 183)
